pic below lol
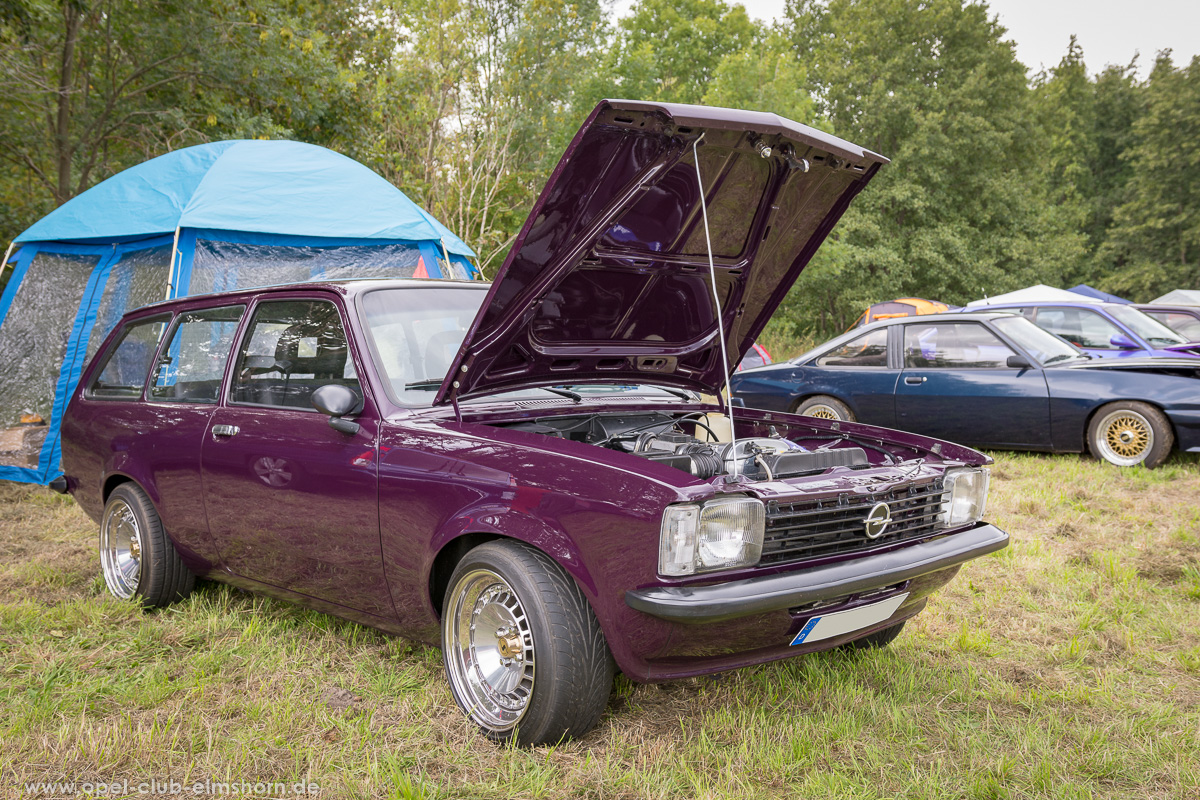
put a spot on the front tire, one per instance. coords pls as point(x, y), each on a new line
point(1129, 433)
point(822, 406)
point(524, 654)
point(137, 559)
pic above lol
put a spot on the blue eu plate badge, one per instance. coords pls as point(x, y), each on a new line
point(827, 626)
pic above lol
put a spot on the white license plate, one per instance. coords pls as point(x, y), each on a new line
point(855, 619)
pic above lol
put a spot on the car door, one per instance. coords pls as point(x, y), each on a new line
point(291, 501)
point(956, 384)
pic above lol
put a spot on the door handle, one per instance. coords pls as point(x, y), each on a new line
point(915, 380)
point(225, 430)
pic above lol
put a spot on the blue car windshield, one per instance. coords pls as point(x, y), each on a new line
point(1041, 344)
point(1145, 326)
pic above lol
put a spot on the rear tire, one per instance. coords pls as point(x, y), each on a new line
point(137, 558)
point(524, 654)
point(1129, 433)
point(822, 406)
point(877, 639)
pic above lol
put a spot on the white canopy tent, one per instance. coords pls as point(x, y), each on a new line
point(1040, 293)
point(1179, 297)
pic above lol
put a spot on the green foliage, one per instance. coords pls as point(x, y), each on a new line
point(474, 110)
point(90, 88)
point(765, 76)
point(961, 211)
point(996, 182)
point(671, 50)
point(1155, 238)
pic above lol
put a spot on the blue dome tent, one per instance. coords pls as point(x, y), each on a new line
point(210, 218)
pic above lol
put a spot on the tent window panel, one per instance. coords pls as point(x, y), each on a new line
point(138, 279)
point(191, 368)
point(127, 365)
point(224, 266)
point(34, 337)
point(293, 348)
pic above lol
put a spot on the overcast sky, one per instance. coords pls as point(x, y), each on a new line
point(1110, 31)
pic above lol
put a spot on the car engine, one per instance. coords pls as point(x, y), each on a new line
point(665, 439)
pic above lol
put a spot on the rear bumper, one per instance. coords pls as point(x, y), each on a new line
point(699, 604)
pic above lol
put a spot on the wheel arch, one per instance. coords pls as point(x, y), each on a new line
point(555, 543)
point(113, 481)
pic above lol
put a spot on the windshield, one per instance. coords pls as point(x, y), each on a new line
point(1041, 344)
point(1153, 331)
point(417, 331)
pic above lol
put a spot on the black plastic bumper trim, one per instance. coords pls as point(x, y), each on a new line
point(787, 589)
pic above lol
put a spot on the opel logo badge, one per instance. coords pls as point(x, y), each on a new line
point(878, 520)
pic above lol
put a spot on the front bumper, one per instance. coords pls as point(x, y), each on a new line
point(698, 604)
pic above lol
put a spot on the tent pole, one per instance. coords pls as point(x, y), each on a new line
point(7, 253)
point(174, 256)
point(445, 253)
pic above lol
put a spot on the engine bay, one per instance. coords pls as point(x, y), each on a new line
point(688, 443)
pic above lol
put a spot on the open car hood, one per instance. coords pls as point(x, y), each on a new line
point(608, 280)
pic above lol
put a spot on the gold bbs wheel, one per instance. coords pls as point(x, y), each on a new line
point(824, 407)
point(1130, 433)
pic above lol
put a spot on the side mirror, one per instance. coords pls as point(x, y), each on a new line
point(337, 401)
point(1019, 362)
point(1123, 342)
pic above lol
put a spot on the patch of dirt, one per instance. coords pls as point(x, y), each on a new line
point(339, 699)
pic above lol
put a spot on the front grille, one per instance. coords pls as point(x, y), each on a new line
point(813, 529)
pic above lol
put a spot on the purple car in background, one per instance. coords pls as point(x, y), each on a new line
point(1104, 330)
point(525, 473)
point(1184, 320)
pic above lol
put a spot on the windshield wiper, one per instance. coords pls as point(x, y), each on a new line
point(578, 398)
point(682, 394)
point(428, 383)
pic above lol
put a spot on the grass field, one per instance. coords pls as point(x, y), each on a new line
point(1067, 666)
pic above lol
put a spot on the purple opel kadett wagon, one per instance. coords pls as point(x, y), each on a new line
point(529, 474)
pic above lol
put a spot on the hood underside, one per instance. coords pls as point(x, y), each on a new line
point(608, 280)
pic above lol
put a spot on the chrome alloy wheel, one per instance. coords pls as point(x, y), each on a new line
point(821, 411)
point(1124, 437)
point(121, 549)
point(489, 650)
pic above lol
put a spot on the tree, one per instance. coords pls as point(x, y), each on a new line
point(934, 86)
point(478, 105)
point(89, 87)
point(1064, 106)
point(671, 50)
point(1154, 242)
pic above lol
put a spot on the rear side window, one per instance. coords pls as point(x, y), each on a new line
point(292, 348)
point(191, 367)
point(127, 365)
point(868, 350)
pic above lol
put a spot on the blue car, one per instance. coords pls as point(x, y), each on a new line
point(1104, 330)
point(991, 379)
